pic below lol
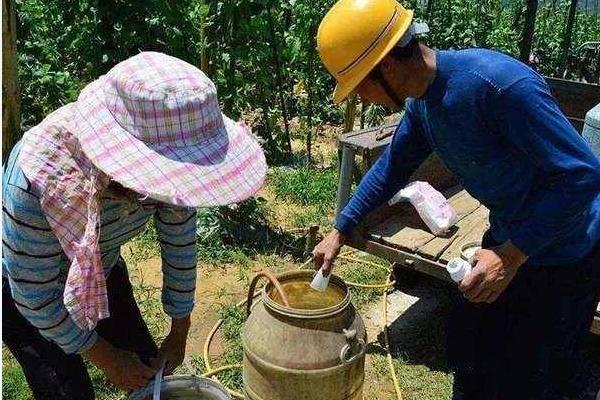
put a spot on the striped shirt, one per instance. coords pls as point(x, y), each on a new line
point(36, 266)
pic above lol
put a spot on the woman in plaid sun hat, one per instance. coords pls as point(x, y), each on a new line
point(148, 139)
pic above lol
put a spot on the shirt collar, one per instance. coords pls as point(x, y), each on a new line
point(437, 88)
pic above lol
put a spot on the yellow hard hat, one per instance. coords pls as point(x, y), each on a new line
point(356, 35)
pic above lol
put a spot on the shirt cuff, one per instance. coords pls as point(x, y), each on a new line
point(89, 342)
point(345, 224)
point(178, 313)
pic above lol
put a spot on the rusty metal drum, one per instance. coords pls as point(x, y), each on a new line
point(312, 349)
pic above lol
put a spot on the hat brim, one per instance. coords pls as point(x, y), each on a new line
point(344, 88)
point(227, 168)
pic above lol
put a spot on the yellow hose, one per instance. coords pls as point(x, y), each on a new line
point(389, 283)
point(387, 343)
point(221, 369)
point(209, 371)
point(368, 286)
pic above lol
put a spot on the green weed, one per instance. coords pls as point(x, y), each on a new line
point(305, 186)
point(14, 385)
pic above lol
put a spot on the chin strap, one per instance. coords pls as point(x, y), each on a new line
point(387, 88)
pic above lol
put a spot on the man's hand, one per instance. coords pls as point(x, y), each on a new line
point(172, 349)
point(494, 270)
point(122, 368)
point(324, 253)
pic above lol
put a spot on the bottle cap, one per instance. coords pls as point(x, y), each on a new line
point(458, 269)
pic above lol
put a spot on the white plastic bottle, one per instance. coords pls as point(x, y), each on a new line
point(458, 269)
point(320, 282)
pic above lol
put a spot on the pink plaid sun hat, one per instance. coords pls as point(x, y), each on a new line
point(154, 125)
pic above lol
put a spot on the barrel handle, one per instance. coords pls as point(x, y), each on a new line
point(354, 345)
point(269, 275)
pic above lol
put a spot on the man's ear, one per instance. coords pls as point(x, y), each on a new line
point(387, 65)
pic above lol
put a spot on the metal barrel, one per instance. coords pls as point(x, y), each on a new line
point(301, 352)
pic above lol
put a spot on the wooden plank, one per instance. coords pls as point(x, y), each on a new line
point(574, 98)
point(367, 139)
point(463, 203)
point(405, 229)
point(408, 260)
point(477, 226)
point(436, 247)
point(595, 329)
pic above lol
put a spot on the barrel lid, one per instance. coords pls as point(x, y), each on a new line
point(592, 118)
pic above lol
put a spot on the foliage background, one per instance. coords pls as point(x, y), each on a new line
point(260, 53)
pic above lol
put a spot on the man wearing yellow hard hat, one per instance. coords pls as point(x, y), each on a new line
point(530, 298)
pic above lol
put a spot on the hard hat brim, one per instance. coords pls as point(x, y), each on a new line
point(343, 88)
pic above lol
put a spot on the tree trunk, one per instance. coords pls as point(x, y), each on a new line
point(566, 42)
point(528, 30)
point(279, 78)
point(310, 81)
point(204, 63)
point(11, 95)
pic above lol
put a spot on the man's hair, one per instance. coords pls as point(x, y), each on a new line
point(406, 52)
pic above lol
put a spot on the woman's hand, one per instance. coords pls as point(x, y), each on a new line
point(172, 349)
point(324, 253)
point(122, 368)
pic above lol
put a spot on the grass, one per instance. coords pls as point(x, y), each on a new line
point(357, 272)
point(233, 320)
point(305, 185)
point(14, 385)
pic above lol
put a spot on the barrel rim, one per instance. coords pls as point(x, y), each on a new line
point(466, 246)
point(174, 379)
point(304, 313)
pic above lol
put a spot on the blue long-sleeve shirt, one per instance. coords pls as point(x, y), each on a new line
point(493, 122)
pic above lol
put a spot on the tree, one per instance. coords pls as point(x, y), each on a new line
point(567, 38)
point(11, 95)
point(528, 29)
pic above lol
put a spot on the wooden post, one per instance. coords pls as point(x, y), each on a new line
point(528, 30)
point(350, 113)
point(345, 179)
point(11, 95)
point(311, 240)
point(566, 42)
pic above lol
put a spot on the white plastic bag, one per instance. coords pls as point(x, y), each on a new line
point(432, 206)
